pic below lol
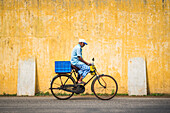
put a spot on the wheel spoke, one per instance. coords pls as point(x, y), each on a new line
point(57, 84)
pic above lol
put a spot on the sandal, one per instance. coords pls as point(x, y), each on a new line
point(81, 82)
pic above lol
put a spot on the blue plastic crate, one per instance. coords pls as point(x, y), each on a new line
point(62, 66)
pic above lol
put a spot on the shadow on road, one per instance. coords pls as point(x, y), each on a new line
point(84, 98)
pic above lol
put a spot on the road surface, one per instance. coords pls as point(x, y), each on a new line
point(84, 104)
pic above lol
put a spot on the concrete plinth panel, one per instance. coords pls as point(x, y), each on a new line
point(26, 77)
point(137, 76)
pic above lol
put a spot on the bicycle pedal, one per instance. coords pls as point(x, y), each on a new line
point(80, 84)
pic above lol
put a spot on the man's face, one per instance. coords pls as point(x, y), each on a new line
point(82, 44)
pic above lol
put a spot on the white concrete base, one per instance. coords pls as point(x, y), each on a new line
point(137, 76)
point(26, 77)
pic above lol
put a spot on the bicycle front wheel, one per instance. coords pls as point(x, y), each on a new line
point(104, 87)
point(59, 83)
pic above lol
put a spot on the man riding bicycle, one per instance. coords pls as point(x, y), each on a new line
point(78, 61)
point(64, 85)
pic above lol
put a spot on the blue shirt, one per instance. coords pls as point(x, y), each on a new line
point(77, 51)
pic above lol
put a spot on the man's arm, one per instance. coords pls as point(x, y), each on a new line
point(82, 60)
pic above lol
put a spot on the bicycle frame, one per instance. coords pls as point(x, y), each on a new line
point(88, 80)
point(95, 76)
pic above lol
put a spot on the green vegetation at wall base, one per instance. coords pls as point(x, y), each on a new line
point(43, 94)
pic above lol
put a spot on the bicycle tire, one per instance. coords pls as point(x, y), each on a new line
point(98, 82)
point(61, 96)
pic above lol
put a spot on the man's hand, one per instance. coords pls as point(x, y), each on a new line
point(89, 64)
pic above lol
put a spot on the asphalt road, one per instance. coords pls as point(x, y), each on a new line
point(87, 104)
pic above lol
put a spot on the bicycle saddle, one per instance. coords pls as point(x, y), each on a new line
point(74, 67)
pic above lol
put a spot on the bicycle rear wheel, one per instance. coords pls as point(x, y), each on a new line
point(59, 83)
point(104, 87)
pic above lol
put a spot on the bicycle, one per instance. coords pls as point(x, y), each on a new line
point(63, 85)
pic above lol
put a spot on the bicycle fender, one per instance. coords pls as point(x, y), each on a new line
point(54, 78)
point(58, 76)
point(97, 77)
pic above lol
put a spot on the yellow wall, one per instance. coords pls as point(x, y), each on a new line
point(116, 30)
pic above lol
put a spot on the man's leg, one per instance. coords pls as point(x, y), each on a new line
point(84, 70)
